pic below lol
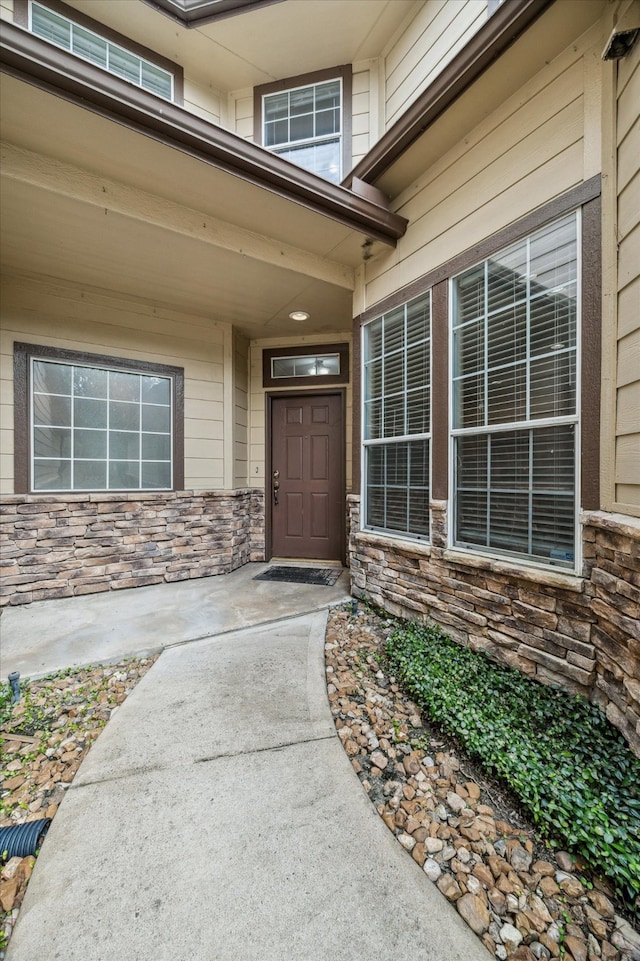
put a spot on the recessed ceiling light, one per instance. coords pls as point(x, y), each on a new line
point(299, 315)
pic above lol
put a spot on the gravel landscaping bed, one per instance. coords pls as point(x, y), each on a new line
point(522, 898)
point(43, 739)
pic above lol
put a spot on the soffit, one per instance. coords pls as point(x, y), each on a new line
point(261, 45)
point(73, 135)
point(51, 225)
point(560, 24)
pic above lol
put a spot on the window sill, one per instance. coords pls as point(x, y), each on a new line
point(385, 541)
point(568, 581)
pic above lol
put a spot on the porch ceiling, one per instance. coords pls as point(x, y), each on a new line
point(93, 202)
point(236, 53)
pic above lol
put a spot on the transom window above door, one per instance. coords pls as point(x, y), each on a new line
point(306, 121)
point(305, 366)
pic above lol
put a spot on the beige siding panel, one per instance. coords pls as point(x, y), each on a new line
point(629, 357)
point(360, 146)
point(629, 207)
point(203, 448)
point(6, 10)
point(628, 498)
point(360, 125)
point(481, 177)
point(202, 101)
point(435, 36)
point(465, 220)
point(241, 412)
point(628, 419)
point(629, 258)
point(628, 99)
point(628, 460)
point(360, 83)
point(629, 156)
point(244, 117)
point(628, 310)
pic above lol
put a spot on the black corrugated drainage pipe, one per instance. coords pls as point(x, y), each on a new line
point(22, 840)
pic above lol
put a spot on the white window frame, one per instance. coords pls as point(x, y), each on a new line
point(318, 140)
point(110, 44)
point(369, 443)
point(525, 425)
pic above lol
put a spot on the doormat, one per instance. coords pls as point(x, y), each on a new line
point(323, 576)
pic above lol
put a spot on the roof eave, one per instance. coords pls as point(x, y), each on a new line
point(41, 64)
point(501, 30)
point(201, 12)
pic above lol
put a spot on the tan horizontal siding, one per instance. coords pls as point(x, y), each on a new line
point(95, 322)
point(524, 154)
point(628, 300)
point(434, 37)
point(629, 358)
point(202, 101)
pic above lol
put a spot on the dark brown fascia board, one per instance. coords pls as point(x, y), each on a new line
point(49, 68)
point(502, 28)
point(196, 13)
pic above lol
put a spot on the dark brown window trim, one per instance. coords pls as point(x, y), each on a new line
point(21, 17)
point(34, 61)
point(499, 32)
point(571, 200)
point(585, 197)
point(22, 354)
point(195, 13)
point(308, 349)
point(343, 73)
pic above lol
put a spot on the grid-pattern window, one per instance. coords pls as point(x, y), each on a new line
point(515, 414)
point(94, 428)
point(397, 415)
point(89, 45)
point(304, 125)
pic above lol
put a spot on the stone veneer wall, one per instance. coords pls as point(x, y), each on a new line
point(581, 633)
point(61, 545)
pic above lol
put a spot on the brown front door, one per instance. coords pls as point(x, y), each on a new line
point(307, 471)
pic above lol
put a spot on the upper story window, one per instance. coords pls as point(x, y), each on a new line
point(85, 38)
point(307, 120)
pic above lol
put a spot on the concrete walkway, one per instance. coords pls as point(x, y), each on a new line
point(217, 818)
point(74, 631)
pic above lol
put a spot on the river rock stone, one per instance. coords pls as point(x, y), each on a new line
point(432, 869)
point(510, 937)
point(474, 912)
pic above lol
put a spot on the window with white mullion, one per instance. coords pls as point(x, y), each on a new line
point(515, 441)
point(90, 46)
point(396, 410)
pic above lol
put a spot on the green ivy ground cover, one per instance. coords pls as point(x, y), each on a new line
point(572, 771)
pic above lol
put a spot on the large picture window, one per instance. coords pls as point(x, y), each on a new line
point(515, 407)
point(397, 410)
point(96, 424)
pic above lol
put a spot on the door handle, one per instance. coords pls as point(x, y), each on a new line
point(276, 486)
